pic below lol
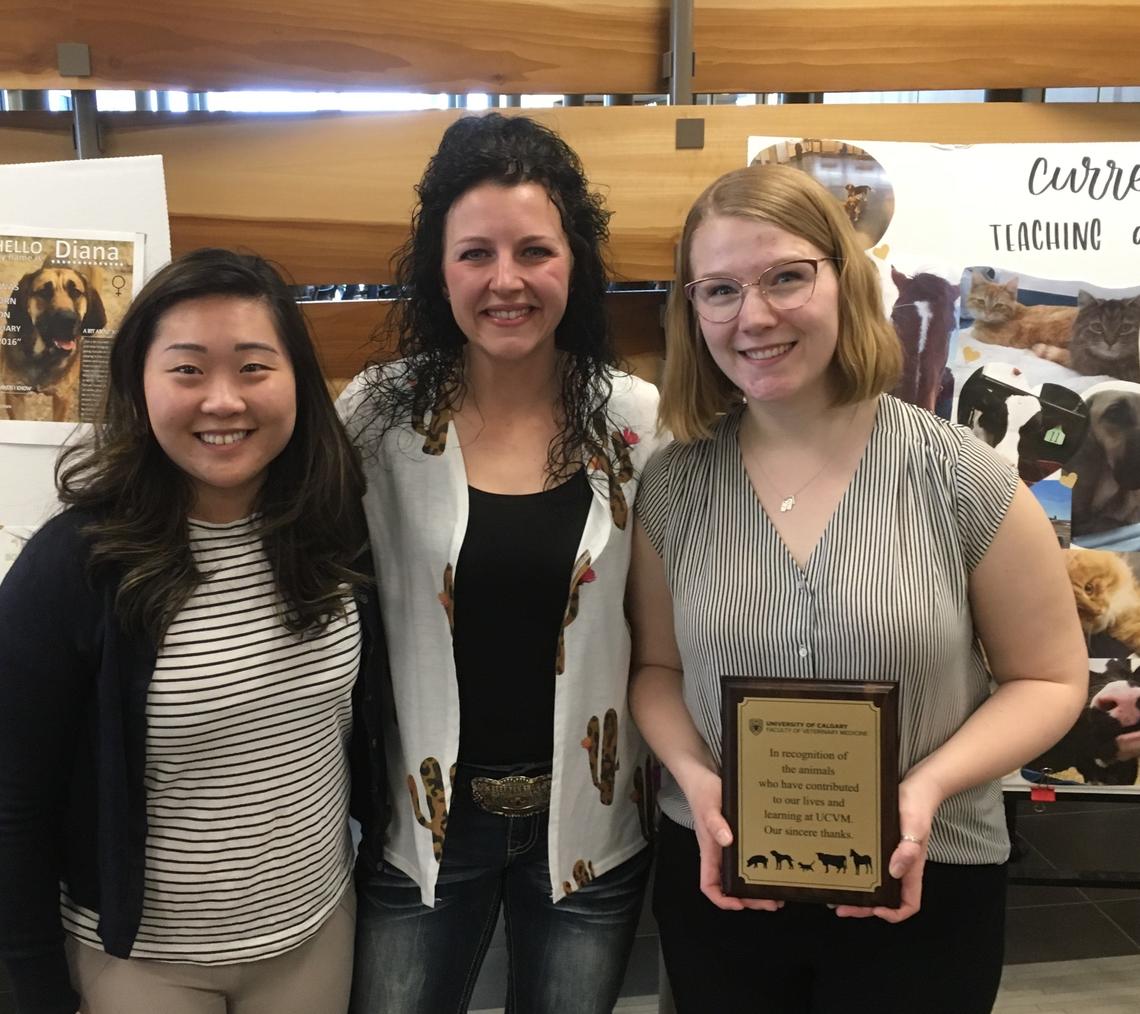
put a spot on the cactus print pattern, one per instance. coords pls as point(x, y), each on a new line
point(436, 822)
point(447, 597)
point(582, 873)
point(618, 471)
point(435, 432)
point(604, 762)
point(644, 797)
point(583, 574)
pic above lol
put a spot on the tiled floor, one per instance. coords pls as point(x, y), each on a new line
point(1095, 986)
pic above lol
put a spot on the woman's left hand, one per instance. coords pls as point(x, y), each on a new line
point(918, 800)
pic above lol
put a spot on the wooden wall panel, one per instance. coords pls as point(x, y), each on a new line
point(49, 142)
point(330, 197)
point(437, 46)
point(858, 45)
point(352, 333)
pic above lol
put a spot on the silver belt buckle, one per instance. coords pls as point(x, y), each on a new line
point(512, 796)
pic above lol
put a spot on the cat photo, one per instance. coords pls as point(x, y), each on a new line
point(999, 319)
point(1105, 339)
point(1107, 595)
point(1106, 468)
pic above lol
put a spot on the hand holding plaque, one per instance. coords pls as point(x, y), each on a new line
point(810, 775)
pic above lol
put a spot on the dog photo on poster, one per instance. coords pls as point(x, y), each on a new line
point(62, 296)
point(1011, 273)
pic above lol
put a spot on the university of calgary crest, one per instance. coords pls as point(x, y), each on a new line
point(755, 726)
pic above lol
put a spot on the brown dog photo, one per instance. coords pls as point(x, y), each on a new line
point(50, 312)
point(62, 297)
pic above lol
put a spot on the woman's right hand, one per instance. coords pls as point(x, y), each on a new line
point(703, 791)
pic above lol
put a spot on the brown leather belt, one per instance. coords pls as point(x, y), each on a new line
point(513, 796)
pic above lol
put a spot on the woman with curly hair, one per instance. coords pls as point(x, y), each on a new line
point(503, 451)
point(179, 654)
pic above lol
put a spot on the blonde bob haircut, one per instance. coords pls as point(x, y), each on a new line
point(868, 356)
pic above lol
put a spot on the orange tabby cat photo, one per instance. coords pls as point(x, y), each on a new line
point(999, 319)
point(1107, 594)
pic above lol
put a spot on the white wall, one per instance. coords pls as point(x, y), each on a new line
point(111, 194)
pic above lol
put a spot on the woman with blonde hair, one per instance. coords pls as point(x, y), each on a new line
point(806, 524)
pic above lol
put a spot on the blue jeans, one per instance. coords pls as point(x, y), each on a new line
point(568, 958)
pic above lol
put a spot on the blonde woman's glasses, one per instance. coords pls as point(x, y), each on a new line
point(786, 286)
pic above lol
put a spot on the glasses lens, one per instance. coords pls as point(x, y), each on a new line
point(790, 285)
point(716, 299)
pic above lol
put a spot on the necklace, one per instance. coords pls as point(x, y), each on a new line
point(788, 502)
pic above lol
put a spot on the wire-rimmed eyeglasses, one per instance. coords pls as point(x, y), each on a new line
point(785, 286)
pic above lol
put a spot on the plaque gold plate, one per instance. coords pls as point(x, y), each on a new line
point(810, 776)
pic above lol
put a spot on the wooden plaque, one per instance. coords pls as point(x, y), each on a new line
point(810, 775)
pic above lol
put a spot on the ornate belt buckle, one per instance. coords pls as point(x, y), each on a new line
point(513, 796)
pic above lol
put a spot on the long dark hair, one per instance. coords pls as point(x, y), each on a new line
point(309, 509)
point(505, 150)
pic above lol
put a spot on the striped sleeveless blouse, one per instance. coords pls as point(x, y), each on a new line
point(884, 595)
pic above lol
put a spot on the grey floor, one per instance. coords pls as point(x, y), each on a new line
point(1068, 950)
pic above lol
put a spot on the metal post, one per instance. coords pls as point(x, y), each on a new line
point(797, 98)
point(1015, 94)
point(678, 66)
point(513, 101)
point(196, 102)
point(26, 101)
point(162, 101)
point(457, 101)
point(681, 57)
point(573, 100)
point(620, 99)
point(142, 101)
point(86, 124)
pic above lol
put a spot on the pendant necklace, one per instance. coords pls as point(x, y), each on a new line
point(788, 502)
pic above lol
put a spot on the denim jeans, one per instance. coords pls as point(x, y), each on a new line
point(568, 958)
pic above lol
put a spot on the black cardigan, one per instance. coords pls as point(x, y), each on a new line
point(73, 691)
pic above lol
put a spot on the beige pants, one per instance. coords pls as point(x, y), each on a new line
point(314, 978)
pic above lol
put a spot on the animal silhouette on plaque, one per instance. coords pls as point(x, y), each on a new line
point(829, 861)
point(861, 862)
point(782, 859)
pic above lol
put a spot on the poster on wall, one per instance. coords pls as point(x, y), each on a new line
point(63, 294)
point(1011, 273)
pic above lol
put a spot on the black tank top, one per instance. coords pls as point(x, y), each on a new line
point(512, 582)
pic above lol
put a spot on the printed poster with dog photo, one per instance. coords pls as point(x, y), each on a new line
point(1011, 273)
point(62, 296)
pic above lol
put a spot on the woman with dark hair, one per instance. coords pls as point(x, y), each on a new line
point(503, 450)
point(807, 525)
point(177, 667)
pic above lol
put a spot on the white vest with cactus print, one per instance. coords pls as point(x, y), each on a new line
point(602, 796)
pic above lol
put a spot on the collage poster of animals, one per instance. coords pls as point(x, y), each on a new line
point(62, 296)
point(1011, 273)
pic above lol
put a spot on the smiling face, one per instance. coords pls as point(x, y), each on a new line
point(770, 355)
point(506, 270)
point(221, 399)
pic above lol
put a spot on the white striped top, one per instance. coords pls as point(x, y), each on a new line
point(248, 848)
point(884, 595)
